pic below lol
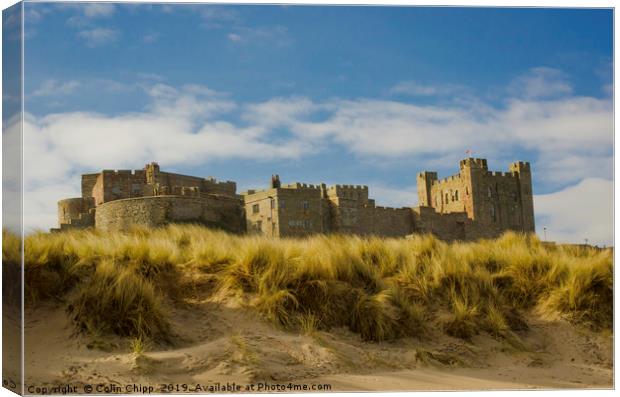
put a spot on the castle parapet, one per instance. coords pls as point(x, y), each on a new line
point(473, 163)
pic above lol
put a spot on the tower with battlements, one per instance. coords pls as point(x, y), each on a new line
point(497, 201)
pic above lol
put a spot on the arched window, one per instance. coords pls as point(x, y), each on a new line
point(493, 213)
point(447, 198)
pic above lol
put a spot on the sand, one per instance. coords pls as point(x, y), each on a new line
point(217, 345)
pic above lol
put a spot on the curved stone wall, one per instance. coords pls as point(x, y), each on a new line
point(213, 211)
point(73, 209)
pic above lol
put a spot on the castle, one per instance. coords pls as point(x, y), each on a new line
point(474, 203)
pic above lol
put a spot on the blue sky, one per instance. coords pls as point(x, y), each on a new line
point(363, 95)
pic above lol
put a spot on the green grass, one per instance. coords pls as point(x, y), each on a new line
point(383, 289)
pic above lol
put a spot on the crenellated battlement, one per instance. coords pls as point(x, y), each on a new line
point(473, 163)
point(299, 185)
point(123, 172)
point(447, 179)
point(520, 166)
point(349, 187)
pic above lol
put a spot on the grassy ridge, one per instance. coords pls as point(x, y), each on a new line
point(379, 288)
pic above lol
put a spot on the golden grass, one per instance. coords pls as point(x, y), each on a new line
point(380, 288)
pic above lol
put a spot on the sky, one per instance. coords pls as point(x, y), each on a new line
point(351, 95)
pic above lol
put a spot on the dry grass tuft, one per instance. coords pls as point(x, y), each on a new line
point(380, 288)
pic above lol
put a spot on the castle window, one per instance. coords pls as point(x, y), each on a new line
point(456, 195)
point(259, 226)
point(466, 190)
point(490, 192)
point(305, 205)
point(307, 224)
point(447, 198)
point(255, 209)
point(493, 214)
point(273, 204)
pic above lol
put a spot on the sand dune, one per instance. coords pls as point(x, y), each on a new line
point(219, 344)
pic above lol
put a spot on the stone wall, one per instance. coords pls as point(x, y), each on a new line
point(385, 221)
point(293, 210)
point(75, 212)
point(88, 183)
point(261, 213)
point(171, 180)
point(444, 226)
point(452, 226)
point(301, 211)
point(219, 212)
point(117, 185)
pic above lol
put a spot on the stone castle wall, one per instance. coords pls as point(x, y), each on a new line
point(76, 212)
point(385, 221)
point(218, 212)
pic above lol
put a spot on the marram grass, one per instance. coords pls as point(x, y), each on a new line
point(382, 289)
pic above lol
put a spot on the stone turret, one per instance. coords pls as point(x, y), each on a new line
point(522, 170)
point(425, 182)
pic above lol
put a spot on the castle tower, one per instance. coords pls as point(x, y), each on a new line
point(472, 172)
point(275, 181)
point(425, 182)
point(522, 170)
point(152, 173)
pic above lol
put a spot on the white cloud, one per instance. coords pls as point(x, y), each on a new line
point(414, 88)
point(234, 37)
point(216, 17)
point(541, 82)
point(97, 10)
point(86, 13)
point(98, 36)
point(34, 14)
point(278, 112)
point(89, 10)
point(579, 212)
point(55, 88)
point(571, 138)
